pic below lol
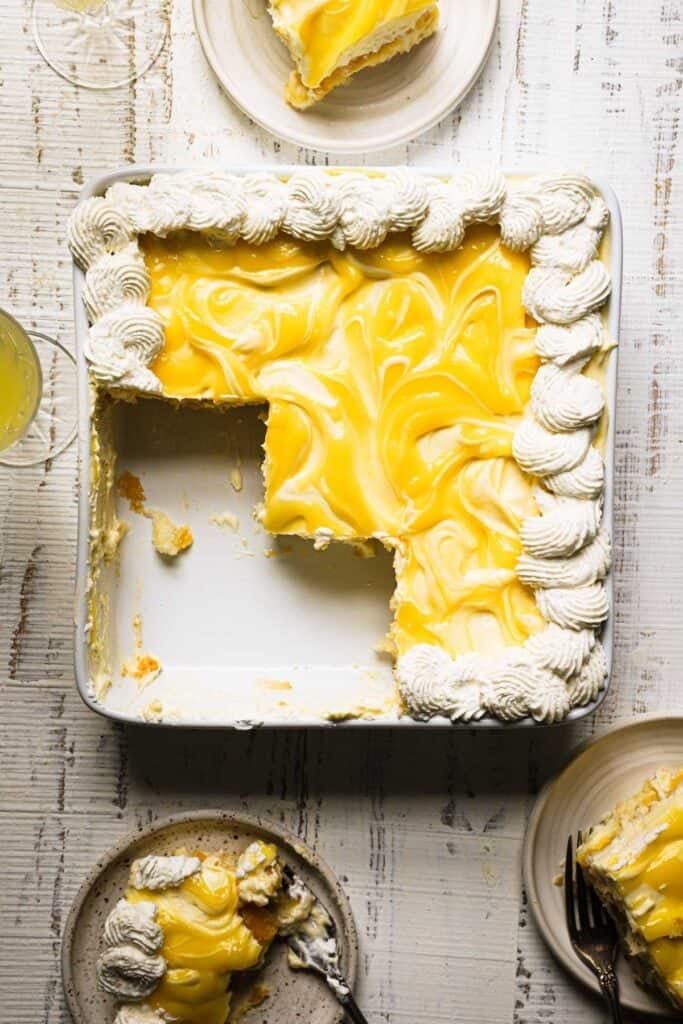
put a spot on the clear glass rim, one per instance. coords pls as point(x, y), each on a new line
point(74, 79)
point(14, 323)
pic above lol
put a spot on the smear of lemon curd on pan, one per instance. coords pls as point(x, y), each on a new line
point(394, 381)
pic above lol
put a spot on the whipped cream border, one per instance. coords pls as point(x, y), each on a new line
point(560, 219)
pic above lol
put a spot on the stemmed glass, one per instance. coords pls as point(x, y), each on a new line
point(38, 417)
point(100, 44)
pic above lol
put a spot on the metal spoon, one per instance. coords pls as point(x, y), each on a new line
point(313, 943)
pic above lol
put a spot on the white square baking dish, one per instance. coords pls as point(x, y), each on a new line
point(251, 631)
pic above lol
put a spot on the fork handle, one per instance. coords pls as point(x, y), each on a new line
point(610, 989)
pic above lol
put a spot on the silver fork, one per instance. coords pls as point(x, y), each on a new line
point(595, 938)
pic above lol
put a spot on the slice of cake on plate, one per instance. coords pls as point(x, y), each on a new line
point(330, 40)
point(634, 860)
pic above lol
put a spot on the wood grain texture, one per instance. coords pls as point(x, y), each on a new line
point(426, 831)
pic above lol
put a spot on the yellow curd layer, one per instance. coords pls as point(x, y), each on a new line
point(205, 941)
point(456, 582)
point(322, 31)
point(394, 381)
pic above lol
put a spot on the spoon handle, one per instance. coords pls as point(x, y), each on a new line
point(353, 1010)
point(342, 990)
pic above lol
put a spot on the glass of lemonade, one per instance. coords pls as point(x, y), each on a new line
point(100, 44)
point(37, 395)
point(21, 381)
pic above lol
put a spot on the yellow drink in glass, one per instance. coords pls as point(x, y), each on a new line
point(21, 381)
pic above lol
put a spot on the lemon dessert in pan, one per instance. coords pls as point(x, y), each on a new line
point(188, 923)
point(634, 860)
point(330, 40)
point(426, 349)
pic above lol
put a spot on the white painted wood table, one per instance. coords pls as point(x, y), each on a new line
point(425, 830)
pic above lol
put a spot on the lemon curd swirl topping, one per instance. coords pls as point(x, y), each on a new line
point(327, 29)
point(395, 381)
point(205, 941)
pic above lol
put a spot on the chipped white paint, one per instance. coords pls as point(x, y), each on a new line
point(426, 829)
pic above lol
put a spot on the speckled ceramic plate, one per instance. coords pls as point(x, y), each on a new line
point(293, 995)
point(603, 772)
point(380, 107)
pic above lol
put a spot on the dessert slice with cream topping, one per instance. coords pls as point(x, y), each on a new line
point(330, 40)
point(634, 860)
point(188, 922)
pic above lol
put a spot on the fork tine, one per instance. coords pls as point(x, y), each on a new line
point(569, 891)
point(600, 916)
point(581, 893)
point(594, 943)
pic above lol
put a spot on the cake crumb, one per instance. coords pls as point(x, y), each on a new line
point(236, 480)
point(278, 685)
point(153, 712)
point(143, 668)
point(167, 538)
point(386, 646)
point(364, 712)
point(226, 518)
point(101, 684)
point(112, 538)
point(323, 538)
point(256, 995)
point(130, 487)
point(279, 552)
point(137, 623)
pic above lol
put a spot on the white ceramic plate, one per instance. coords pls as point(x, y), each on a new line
point(602, 773)
point(381, 107)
